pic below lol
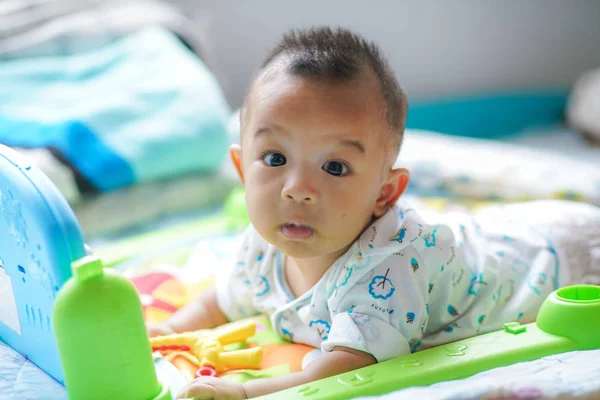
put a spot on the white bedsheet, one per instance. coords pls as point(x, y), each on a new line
point(523, 169)
point(559, 139)
point(20, 379)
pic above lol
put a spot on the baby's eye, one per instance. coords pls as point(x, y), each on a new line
point(274, 159)
point(335, 168)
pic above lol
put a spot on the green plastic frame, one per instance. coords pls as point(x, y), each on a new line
point(568, 320)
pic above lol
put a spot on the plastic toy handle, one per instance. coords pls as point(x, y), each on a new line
point(177, 339)
point(241, 359)
point(237, 333)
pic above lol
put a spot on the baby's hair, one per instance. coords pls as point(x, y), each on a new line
point(341, 55)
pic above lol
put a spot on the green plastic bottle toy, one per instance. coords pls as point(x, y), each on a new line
point(101, 337)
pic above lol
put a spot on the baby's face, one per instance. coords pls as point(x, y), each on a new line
point(314, 157)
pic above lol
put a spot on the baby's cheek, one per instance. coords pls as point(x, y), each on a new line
point(260, 205)
point(261, 187)
point(350, 217)
point(261, 177)
point(354, 201)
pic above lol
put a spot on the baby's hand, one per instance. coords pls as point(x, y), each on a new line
point(213, 388)
point(159, 329)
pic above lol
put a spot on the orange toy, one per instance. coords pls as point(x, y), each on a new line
point(203, 353)
point(291, 354)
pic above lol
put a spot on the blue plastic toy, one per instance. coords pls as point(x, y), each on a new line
point(39, 238)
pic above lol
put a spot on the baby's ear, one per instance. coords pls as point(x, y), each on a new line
point(235, 152)
point(392, 189)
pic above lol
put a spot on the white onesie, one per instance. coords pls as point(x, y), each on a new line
point(409, 282)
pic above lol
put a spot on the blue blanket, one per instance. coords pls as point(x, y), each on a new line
point(141, 109)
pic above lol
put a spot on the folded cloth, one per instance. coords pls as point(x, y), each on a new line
point(141, 109)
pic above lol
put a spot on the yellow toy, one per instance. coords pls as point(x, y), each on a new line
point(202, 353)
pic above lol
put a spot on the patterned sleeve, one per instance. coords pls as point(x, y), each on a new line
point(235, 286)
point(451, 283)
point(382, 311)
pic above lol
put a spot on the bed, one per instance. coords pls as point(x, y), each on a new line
point(174, 241)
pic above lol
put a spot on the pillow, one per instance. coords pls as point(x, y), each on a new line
point(584, 105)
point(141, 109)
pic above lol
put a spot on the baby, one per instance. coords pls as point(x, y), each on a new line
point(333, 256)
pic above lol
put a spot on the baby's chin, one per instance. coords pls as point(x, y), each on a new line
point(298, 249)
point(311, 249)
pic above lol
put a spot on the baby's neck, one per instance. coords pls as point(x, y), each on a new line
point(302, 274)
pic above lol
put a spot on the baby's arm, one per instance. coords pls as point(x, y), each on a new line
point(201, 313)
point(340, 360)
point(232, 290)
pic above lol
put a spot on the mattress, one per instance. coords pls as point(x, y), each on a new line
point(574, 374)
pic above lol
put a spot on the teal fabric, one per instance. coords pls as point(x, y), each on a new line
point(103, 169)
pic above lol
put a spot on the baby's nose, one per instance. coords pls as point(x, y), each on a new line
point(300, 189)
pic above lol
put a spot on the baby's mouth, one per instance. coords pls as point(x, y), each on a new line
point(297, 232)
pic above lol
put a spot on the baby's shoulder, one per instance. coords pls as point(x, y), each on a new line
point(402, 227)
point(400, 245)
